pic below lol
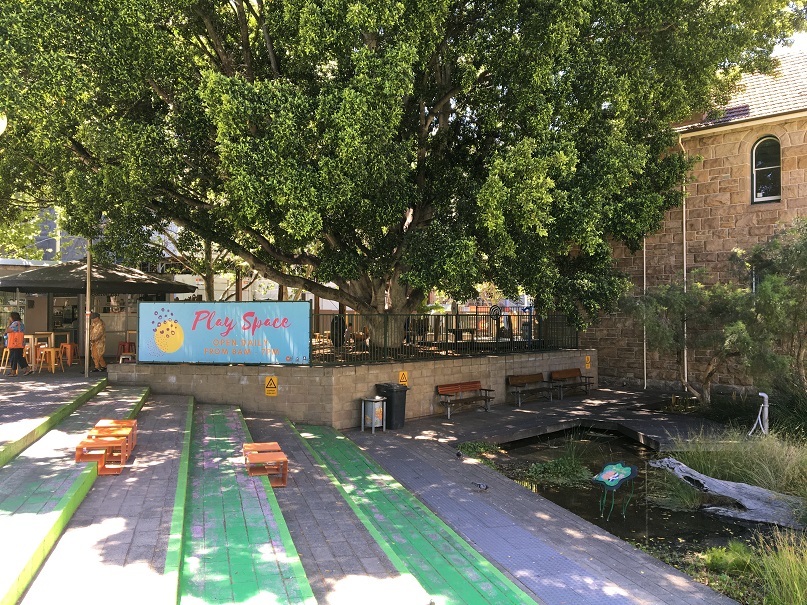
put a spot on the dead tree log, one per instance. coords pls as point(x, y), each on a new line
point(752, 503)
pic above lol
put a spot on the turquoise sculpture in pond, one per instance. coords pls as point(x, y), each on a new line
point(610, 478)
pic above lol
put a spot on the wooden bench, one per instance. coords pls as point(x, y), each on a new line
point(450, 394)
point(571, 379)
point(527, 386)
point(267, 459)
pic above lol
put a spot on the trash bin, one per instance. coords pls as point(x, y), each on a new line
point(396, 403)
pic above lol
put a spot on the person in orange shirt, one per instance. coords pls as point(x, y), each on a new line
point(97, 342)
point(15, 331)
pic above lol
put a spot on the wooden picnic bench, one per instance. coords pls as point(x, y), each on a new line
point(528, 386)
point(571, 379)
point(462, 393)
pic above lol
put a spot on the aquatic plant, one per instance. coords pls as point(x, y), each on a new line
point(782, 566)
point(481, 450)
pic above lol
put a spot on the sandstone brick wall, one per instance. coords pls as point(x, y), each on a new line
point(719, 218)
point(329, 395)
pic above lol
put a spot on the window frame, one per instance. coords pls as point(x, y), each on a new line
point(770, 198)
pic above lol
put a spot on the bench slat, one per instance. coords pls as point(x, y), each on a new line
point(571, 378)
point(448, 394)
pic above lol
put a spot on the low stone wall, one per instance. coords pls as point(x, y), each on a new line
point(329, 395)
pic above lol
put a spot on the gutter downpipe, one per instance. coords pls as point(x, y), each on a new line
point(684, 264)
point(644, 323)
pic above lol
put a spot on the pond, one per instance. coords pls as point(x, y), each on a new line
point(643, 523)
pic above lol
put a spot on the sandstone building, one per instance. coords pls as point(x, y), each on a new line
point(750, 183)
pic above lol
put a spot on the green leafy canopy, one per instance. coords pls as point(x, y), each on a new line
point(371, 151)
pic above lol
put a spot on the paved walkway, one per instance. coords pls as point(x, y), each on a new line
point(121, 534)
point(236, 544)
point(41, 487)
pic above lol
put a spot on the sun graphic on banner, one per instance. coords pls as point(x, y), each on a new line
point(168, 334)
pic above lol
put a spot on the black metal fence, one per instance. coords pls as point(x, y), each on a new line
point(355, 338)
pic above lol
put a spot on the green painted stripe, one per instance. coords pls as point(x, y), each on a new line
point(444, 563)
point(396, 561)
point(59, 519)
point(292, 555)
point(173, 556)
point(234, 549)
point(139, 404)
point(33, 512)
point(11, 450)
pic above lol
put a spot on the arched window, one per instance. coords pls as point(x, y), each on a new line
point(767, 171)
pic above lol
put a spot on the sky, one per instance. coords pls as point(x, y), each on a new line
point(799, 44)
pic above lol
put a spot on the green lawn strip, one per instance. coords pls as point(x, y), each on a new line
point(438, 557)
point(173, 556)
point(233, 545)
point(12, 449)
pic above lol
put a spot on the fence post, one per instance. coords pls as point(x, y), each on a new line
point(386, 335)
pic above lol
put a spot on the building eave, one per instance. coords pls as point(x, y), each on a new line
point(737, 124)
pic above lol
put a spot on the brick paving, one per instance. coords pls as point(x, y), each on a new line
point(119, 534)
point(120, 531)
point(38, 488)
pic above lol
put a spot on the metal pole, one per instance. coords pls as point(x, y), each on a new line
point(764, 412)
point(87, 312)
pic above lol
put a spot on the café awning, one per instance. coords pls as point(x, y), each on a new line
point(71, 278)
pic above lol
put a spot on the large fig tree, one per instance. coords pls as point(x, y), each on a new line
point(387, 147)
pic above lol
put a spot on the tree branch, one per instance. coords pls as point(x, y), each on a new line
point(226, 61)
point(267, 39)
point(243, 28)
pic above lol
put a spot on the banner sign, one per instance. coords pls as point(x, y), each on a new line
point(224, 332)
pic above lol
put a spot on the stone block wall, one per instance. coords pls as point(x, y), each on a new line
point(329, 395)
point(719, 218)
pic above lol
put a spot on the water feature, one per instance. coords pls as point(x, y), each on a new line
point(644, 522)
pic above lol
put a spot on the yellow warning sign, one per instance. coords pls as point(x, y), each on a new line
point(271, 386)
point(403, 378)
point(588, 362)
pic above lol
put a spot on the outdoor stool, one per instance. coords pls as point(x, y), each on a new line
point(117, 422)
point(115, 431)
point(268, 446)
point(275, 465)
point(69, 349)
point(126, 358)
point(100, 450)
point(126, 347)
point(52, 356)
point(32, 355)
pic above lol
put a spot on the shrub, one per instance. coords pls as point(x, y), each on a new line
point(736, 558)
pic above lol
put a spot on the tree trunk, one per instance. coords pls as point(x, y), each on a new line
point(752, 503)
